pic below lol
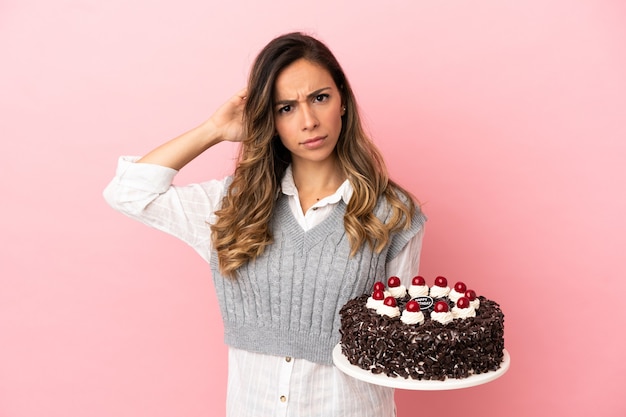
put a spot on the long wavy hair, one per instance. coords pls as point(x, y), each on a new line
point(242, 229)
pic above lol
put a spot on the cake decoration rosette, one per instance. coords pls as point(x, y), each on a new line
point(418, 287)
point(442, 313)
point(457, 291)
point(474, 300)
point(463, 309)
point(380, 286)
point(412, 313)
point(389, 307)
point(395, 287)
point(375, 300)
point(440, 289)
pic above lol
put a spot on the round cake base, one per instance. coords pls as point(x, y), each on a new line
point(354, 371)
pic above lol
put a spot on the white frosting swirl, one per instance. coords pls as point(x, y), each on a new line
point(371, 303)
point(385, 310)
point(439, 292)
point(418, 291)
point(463, 313)
point(475, 304)
point(397, 292)
point(412, 317)
point(444, 317)
point(454, 295)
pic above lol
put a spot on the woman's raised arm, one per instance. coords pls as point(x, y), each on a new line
point(224, 125)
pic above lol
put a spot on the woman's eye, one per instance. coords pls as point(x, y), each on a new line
point(321, 97)
point(284, 109)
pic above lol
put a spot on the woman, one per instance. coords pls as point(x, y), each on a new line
point(308, 220)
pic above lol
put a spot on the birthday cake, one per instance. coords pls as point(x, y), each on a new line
point(423, 333)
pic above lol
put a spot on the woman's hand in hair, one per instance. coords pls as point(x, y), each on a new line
point(226, 124)
point(227, 121)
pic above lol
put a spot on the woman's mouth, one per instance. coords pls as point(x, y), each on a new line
point(313, 143)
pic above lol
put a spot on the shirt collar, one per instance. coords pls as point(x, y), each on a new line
point(288, 187)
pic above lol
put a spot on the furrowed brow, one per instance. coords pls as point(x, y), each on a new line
point(318, 92)
point(309, 96)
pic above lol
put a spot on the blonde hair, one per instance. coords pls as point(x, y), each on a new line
point(242, 230)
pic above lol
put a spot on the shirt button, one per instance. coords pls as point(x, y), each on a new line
point(288, 359)
point(283, 398)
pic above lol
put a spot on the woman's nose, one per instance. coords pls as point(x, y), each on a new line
point(309, 119)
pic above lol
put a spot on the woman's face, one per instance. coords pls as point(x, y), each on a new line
point(307, 111)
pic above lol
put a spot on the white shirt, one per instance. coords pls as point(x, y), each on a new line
point(258, 384)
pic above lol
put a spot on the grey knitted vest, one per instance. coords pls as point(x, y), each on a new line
point(286, 302)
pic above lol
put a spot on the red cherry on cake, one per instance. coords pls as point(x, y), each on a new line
point(470, 294)
point(390, 301)
point(378, 295)
point(441, 307)
point(393, 282)
point(418, 280)
point(441, 281)
point(460, 287)
point(412, 306)
point(379, 286)
point(463, 302)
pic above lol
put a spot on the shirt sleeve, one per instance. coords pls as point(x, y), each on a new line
point(145, 193)
point(406, 264)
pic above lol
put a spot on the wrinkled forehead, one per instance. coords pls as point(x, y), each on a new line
point(300, 79)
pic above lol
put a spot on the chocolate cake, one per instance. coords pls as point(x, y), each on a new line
point(374, 336)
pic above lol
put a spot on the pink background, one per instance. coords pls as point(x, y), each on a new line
point(506, 119)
